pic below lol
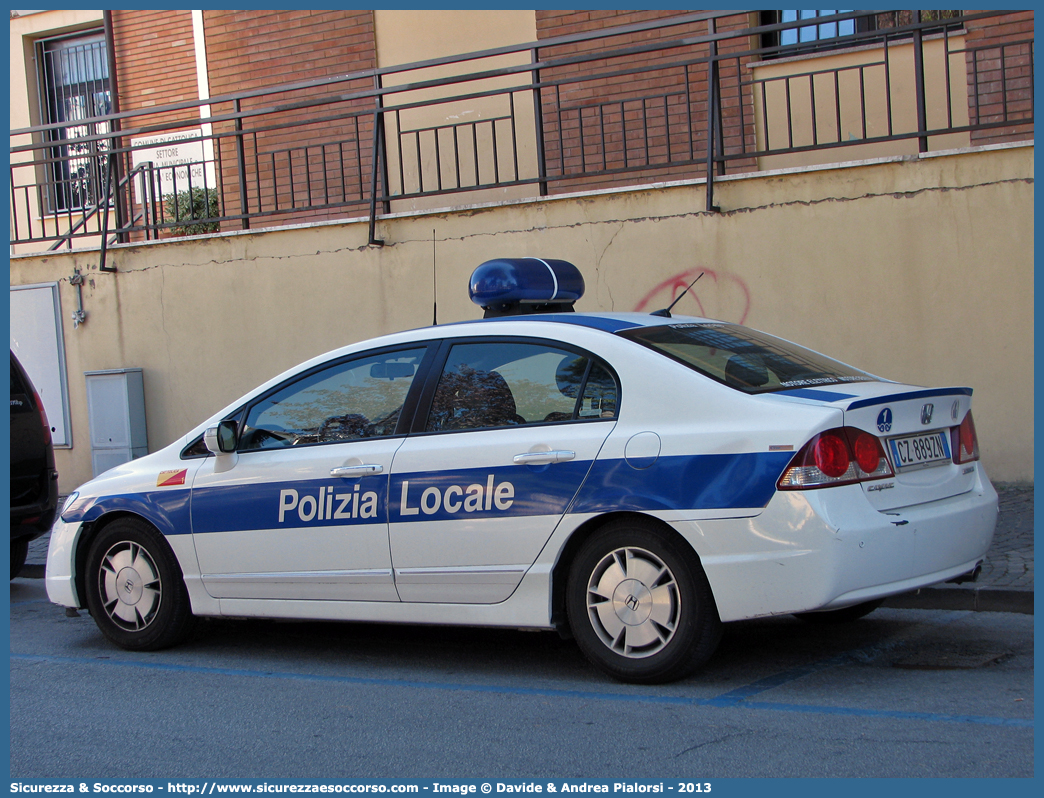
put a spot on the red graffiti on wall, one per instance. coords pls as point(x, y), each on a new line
point(716, 296)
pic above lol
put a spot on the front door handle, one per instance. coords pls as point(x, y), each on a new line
point(543, 458)
point(355, 470)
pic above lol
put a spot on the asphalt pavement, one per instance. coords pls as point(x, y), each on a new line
point(1005, 583)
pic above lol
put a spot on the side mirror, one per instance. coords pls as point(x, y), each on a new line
point(222, 438)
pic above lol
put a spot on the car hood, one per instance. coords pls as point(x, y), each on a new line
point(141, 485)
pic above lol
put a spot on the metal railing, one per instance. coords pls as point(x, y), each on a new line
point(698, 96)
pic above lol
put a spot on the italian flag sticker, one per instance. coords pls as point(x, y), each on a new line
point(168, 478)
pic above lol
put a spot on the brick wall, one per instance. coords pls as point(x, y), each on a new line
point(1000, 80)
point(155, 62)
point(646, 113)
point(156, 66)
point(297, 160)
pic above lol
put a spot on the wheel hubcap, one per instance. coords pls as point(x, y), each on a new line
point(129, 585)
point(633, 602)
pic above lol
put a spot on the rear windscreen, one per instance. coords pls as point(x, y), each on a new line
point(744, 359)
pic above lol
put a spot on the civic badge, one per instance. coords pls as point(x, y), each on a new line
point(926, 413)
point(884, 420)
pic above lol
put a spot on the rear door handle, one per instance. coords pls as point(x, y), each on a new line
point(543, 458)
point(355, 470)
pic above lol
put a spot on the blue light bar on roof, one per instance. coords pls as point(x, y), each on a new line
point(506, 283)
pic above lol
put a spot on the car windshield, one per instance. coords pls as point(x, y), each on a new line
point(744, 359)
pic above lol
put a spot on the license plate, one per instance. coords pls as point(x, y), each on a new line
point(920, 450)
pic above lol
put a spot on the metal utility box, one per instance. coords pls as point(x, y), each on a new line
point(116, 416)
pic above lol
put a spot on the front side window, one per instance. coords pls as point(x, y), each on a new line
point(360, 398)
point(502, 384)
point(745, 359)
point(74, 81)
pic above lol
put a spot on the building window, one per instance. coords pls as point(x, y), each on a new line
point(814, 32)
point(74, 88)
point(817, 35)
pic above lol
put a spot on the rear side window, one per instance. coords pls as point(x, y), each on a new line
point(745, 359)
point(502, 384)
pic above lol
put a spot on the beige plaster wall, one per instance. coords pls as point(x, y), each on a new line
point(405, 37)
point(859, 72)
point(918, 269)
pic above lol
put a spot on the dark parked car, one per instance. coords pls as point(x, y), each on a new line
point(34, 481)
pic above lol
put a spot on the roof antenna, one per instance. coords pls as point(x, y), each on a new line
point(434, 285)
point(666, 312)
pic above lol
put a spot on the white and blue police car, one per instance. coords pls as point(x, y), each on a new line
point(635, 480)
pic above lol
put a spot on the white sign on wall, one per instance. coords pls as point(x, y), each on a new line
point(174, 157)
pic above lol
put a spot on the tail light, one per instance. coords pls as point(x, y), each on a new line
point(841, 456)
point(964, 441)
point(43, 416)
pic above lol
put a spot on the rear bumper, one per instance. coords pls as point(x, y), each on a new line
point(31, 520)
point(828, 549)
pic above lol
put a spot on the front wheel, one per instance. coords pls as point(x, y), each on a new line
point(639, 604)
point(134, 588)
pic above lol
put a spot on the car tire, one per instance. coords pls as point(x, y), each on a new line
point(19, 551)
point(639, 604)
point(843, 615)
point(135, 591)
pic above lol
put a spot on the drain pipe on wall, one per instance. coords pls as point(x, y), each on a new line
point(79, 316)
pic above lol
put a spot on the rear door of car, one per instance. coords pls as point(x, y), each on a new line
point(506, 432)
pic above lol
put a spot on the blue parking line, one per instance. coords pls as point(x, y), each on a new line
point(741, 694)
point(732, 700)
point(812, 709)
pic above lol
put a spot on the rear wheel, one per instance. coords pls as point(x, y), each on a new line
point(843, 615)
point(639, 604)
point(19, 551)
point(135, 592)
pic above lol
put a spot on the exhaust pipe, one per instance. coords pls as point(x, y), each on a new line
point(971, 576)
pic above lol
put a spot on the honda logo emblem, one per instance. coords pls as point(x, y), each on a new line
point(926, 413)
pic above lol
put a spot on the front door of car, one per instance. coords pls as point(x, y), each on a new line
point(511, 431)
point(299, 511)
